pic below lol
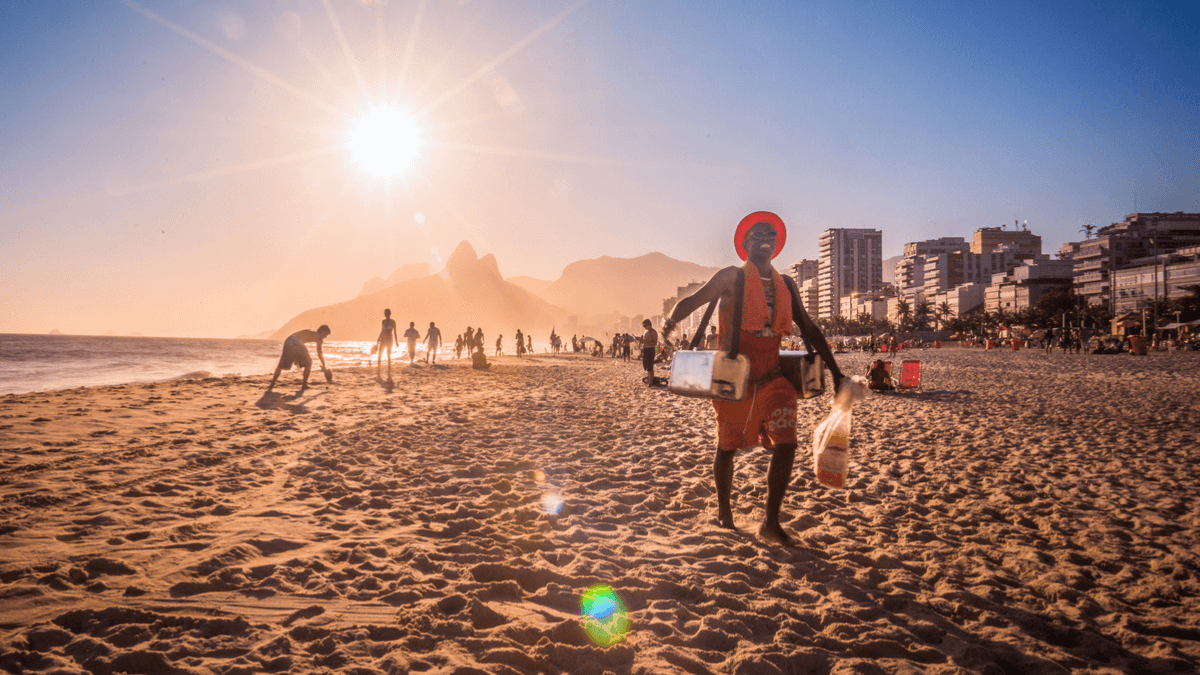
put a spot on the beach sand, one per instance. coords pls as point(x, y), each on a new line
point(1023, 513)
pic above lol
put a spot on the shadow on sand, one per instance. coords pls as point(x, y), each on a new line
point(388, 385)
point(272, 400)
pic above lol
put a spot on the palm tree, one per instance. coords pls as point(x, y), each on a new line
point(921, 314)
point(944, 312)
point(904, 312)
point(863, 322)
point(1087, 230)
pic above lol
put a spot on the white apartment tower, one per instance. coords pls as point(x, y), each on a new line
point(850, 260)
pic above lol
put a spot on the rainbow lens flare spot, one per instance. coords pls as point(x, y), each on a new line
point(552, 503)
point(604, 615)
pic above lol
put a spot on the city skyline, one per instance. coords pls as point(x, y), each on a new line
point(201, 169)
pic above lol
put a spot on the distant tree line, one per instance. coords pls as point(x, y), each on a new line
point(1049, 312)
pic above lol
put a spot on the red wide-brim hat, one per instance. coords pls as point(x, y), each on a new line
point(739, 235)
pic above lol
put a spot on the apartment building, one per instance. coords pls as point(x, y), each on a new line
point(1158, 277)
point(1126, 244)
point(850, 260)
point(1025, 284)
point(1024, 244)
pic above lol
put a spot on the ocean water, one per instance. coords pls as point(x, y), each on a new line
point(49, 362)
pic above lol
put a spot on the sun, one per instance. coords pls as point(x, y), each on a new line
point(385, 142)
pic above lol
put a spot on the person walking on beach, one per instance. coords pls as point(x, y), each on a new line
point(529, 344)
point(499, 345)
point(520, 343)
point(433, 340)
point(386, 337)
point(411, 336)
point(294, 352)
point(479, 338)
point(469, 341)
point(767, 414)
point(458, 345)
point(649, 346)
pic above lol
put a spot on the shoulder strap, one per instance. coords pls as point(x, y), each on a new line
point(703, 325)
point(739, 296)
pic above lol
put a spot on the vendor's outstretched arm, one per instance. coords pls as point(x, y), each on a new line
point(716, 286)
point(812, 333)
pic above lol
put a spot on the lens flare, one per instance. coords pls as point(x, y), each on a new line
point(552, 503)
point(604, 616)
point(385, 142)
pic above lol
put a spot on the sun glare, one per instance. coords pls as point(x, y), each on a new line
point(385, 142)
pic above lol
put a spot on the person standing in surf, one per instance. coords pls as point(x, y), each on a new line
point(433, 340)
point(767, 414)
point(387, 336)
point(411, 336)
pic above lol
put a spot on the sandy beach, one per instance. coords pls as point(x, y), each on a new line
point(1022, 513)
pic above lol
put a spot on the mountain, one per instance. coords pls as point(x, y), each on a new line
point(410, 271)
point(889, 269)
point(628, 286)
point(536, 286)
point(468, 292)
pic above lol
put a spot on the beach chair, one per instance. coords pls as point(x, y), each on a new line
point(910, 375)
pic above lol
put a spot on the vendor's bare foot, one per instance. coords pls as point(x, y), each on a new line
point(773, 532)
point(726, 522)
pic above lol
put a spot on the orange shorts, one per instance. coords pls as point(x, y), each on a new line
point(768, 409)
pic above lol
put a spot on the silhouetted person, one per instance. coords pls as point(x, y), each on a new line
point(479, 360)
point(294, 352)
point(386, 337)
point(433, 340)
point(411, 336)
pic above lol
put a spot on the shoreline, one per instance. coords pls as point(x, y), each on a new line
point(1022, 511)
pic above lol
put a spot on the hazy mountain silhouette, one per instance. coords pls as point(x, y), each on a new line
point(409, 271)
point(468, 292)
point(627, 286)
point(536, 286)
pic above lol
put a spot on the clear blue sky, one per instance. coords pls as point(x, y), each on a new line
point(179, 168)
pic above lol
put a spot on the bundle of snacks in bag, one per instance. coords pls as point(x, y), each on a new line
point(831, 438)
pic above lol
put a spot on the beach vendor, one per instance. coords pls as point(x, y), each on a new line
point(767, 414)
point(294, 352)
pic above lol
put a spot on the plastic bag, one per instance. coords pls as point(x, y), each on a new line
point(831, 438)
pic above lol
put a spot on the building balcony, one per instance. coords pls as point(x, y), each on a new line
point(1090, 252)
point(1090, 276)
point(1090, 265)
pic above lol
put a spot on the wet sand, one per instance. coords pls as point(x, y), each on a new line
point(1022, 513)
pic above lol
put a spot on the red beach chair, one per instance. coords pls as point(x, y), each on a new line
point(910, 375)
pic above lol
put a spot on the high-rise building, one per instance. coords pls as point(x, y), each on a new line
point(851, 259)
point(803, 271)
point(911, 269)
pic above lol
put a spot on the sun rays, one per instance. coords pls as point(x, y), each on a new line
point(384, 140)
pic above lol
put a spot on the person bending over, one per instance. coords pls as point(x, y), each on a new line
point(294, 352)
